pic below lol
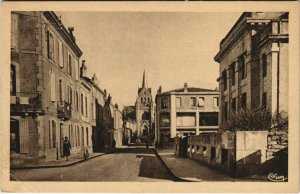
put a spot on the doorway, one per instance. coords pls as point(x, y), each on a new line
point(14, 136)
point(61, 139)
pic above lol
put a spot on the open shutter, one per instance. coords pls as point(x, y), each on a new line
point(52, 83)
point(24, 135)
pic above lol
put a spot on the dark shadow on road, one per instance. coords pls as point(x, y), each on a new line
point(132, 150)
point(151, 167)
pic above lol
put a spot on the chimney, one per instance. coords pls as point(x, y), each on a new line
point(83, 69)
point(185, 87)
point(159, 90)
point(71, 29)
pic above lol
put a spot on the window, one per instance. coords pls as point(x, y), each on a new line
point(77, 102)
point(216, 101)
point(264, 65)
point(164, 120)
point(53, 135)
point(193, 101)
point(164, 103)
point(178, 102)
point(71, 136)
point(71, 96)
point(82, 104)
point(82, 136)
point(224, 76)
point(56, 51)
point(86, 107)
point(14, 30)
point(50, 45)
point(87, 136)
point(52, 86)
point(225, 110)
point(186, 119)
point(60, 91)
point(49, 139)
point(78, 135)
point(232, 69)
point(60, 54)
point(208, 119)
point(243, 68)
point(264, 100)
point(244, 101)
point(69, 64)
point(201, 101)
point(233, 104)
point(13, 85)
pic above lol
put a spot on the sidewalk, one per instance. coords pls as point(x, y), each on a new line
point(61, 162)
point(190, 170)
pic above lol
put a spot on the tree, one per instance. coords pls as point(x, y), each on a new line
point(255, 120)
point(258, 120)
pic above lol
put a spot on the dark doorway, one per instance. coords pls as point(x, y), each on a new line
point(14, 136)
point(61, 139)
point(183, 148)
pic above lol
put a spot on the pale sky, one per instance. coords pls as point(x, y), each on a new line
point(173, 48)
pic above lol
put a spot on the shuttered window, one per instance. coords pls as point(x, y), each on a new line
point(60, 54)
point(52, 86)
point(24, 135)
point(50, 45)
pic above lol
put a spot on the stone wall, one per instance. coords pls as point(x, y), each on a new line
point(239, 154)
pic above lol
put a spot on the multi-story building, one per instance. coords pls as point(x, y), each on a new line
point(253, 61)
point(185, 111)
point(51, 97)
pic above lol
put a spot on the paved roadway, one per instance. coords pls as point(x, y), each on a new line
point(127, 164)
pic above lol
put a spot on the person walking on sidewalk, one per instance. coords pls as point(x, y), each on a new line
point(66, 148)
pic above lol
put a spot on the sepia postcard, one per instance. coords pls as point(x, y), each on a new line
point(150, 97)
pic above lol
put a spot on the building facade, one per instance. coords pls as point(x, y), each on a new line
point(50, 94)
point(253, 59)
point(185, 111)
point(141, 116)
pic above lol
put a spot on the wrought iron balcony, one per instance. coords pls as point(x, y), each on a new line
point(25, 104)
point(64, 110)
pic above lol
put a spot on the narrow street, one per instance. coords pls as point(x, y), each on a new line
point(127, 164)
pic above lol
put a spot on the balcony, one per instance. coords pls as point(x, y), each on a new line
point(25, 104)
point(64, 110)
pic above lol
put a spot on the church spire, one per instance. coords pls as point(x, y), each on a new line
point(144, 80)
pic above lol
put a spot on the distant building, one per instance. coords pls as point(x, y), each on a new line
point(253, 59)
point(141, 116)
point(185, 111)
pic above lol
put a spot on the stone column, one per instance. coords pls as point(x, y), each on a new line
point(274, 77)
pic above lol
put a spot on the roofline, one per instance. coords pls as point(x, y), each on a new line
point(51, 15)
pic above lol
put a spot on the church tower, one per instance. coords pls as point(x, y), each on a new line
point(144, 110)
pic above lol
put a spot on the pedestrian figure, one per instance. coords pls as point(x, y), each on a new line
point(156, 145)
point(66, 148)
point(114, 144)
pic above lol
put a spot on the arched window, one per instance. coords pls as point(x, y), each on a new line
point(13, 80)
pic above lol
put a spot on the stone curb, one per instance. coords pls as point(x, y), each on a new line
point(57, 166)
point(169, 169)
